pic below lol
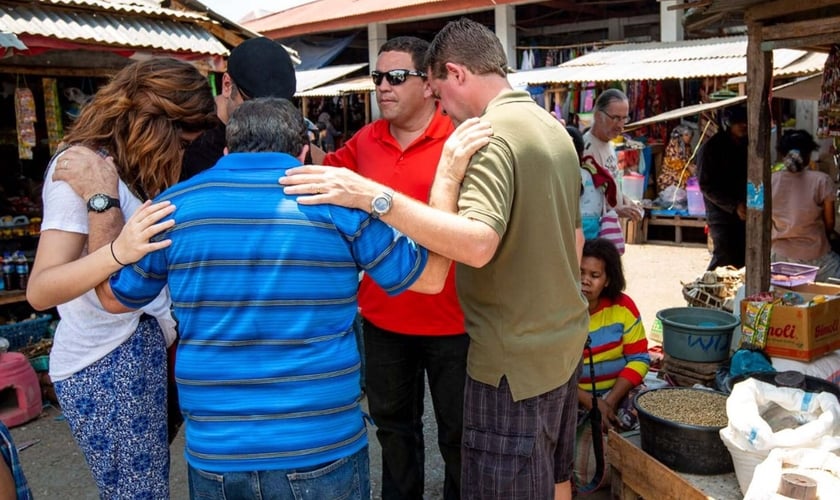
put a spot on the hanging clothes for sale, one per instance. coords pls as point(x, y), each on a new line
point(25, 121)
point(527, 60)
point(828, 114)
point(52, 113)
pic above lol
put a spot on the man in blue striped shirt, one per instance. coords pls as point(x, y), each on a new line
point(264, 291)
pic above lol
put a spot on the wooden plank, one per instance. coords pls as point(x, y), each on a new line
point(759, 203)
point(780, 8)
point(645, 475)
point(676, 221)
point(812, 43)
point(12, 296)
point(799, 29)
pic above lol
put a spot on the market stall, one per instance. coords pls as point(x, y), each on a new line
point(57, 54)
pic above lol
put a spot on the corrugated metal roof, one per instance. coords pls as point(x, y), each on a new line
point(109, 26)
point(309, 79)
point(668, 60)
point(149, 8)
point(359, 84)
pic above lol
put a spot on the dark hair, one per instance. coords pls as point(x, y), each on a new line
point(267, 124)
point(469, 44)
point(797, 139)
point(138, 118)
point(603, 249)
point(577, 139)
point(412, 45)
point(608, 96)
point(796, 147)
point(736, 114)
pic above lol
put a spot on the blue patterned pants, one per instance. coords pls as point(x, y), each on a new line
point(116, 409)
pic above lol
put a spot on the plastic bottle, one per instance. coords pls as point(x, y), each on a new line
point(22, 268)
point(2, 281)
point(9, 278)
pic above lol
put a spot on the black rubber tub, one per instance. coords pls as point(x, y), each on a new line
point(792, 379)
point(691, 449)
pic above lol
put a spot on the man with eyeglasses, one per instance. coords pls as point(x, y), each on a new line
point(612, 112)
point(412, 335)
point(511, 221)
point(257, 67)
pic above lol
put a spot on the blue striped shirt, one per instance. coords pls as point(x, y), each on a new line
point(264, 291)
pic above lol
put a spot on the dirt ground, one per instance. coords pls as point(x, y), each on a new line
point(56, 469)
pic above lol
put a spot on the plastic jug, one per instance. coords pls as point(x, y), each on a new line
point(696, 205)
point(633, 186)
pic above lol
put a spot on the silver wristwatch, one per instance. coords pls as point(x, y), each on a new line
point(381, 204)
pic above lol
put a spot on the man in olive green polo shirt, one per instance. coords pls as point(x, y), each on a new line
point(512, 223)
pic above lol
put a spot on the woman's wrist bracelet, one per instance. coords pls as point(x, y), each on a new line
point(115, 255)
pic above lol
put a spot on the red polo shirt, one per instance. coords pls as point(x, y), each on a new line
point(374, 153)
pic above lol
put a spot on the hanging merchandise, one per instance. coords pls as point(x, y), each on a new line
point(828, 115)
point(52, 113)
point(25, 118)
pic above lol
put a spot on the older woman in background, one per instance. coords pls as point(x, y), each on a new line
point(803, 208)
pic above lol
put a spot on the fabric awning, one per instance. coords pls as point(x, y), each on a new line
point(312, 78)
point(353, 85)
point(807, 88)
point(693, 109)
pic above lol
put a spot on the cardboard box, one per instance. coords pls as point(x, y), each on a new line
point(805, 333)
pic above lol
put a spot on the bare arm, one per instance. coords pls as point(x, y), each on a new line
point(59, 274)
point(436, 226)
point(88, 173)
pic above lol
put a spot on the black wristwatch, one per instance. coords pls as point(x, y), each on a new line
point(381, 204)
point(101, 202)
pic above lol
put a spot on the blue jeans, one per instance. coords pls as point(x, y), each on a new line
point(347, 478)
point(396, 368)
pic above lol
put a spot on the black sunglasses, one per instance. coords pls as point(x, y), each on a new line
point(395, 76)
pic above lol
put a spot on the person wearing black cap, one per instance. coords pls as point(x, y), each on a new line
point(722, 171)
point(258, 67)
point(803, 208)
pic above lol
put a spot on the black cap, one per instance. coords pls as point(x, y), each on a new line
point(261, 67)
point(737, 114)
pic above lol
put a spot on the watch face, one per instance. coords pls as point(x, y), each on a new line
point(99, 202)
point(102, 202)
point(381, 204)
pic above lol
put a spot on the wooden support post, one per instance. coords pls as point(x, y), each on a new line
point(759, 203)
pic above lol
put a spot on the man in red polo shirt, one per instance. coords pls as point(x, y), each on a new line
point(412, 333)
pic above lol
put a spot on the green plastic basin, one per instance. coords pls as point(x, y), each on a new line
point(696, 333)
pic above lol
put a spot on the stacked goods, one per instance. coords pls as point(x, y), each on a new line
point(715, 289)
point(688, 373)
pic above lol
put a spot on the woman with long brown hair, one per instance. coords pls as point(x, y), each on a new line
point(109, 370)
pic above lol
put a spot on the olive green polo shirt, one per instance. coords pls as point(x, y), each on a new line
point(524, 312)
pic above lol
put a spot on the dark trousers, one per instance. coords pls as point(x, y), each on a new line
point(730, 241)
point(395, 390)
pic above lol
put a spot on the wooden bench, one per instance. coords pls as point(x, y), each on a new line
point(635, 474)
point(676, 221)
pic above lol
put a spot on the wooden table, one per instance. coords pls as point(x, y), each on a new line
point(635, 474)
point(677, 221)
